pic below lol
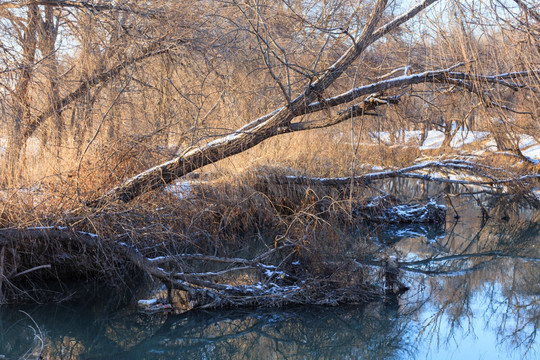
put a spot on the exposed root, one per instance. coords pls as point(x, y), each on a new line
point(291, 272)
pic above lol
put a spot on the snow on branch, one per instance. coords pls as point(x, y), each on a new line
point(434, 76)
point(468, 173)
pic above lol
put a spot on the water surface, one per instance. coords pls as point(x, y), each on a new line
point(475, 294)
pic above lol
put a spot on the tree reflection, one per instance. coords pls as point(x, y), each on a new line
point(313, 332)
point(483, 275)
point(479, 280)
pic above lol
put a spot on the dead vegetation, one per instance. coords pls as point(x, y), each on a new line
point(150, 140)
point(263, 238)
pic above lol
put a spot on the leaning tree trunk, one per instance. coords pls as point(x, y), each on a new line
point(275, 123)
point(310, 101)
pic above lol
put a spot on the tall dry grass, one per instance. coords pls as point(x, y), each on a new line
point(216, 76)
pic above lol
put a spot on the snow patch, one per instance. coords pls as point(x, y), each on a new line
point(271, 271)
point(180, 189)
point(526, 141)
point(157, 259)
point(467, 137)
point(533, 153)
point(434, 139)
point(87, 233)
point(536, 192)
point(147, 303)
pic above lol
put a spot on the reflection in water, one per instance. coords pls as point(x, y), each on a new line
point(475, 293)
point(311, 333)
point(480, 285)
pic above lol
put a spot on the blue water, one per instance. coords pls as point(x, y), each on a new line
point(466, 307)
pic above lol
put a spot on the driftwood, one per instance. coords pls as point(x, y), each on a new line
point(275, 279)
point(419, 171)
point(467, 173)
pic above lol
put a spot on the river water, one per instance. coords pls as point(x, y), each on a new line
point(474, 294)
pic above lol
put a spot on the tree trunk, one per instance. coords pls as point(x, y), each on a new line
point(21, 96)
point(48, 33)
point(448, 134)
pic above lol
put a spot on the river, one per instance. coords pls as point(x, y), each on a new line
point(474, 294)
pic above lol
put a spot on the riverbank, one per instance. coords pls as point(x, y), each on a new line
point(470, 285)
point(194, 236)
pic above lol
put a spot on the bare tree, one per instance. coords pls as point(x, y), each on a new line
point(26, 38)
point(312, 99)
point(199, 77)
point(33, 31)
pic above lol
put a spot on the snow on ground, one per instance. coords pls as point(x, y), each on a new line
point(385, 138)
point(180, 189)
point(526, 140)
point(434, 138)
point(533, 153)
point(32, 145)
point(490, 145)
point(528, 145)
point(467, 137)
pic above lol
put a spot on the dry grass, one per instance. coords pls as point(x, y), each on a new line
point(212, 80)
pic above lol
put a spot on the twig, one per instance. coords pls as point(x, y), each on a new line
point(47, 266)
point(37, 334)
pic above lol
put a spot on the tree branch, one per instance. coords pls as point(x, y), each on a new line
point(434, 76)
point(261, 129)
point(531, 12)
point(86, 5)
point(154, 49)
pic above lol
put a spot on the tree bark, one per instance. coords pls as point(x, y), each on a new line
point(21, 96)
point(275, 123)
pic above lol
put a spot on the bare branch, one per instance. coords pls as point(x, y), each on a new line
point(531, 12)
point(85, 5)
point(154, 49)
point(261, 129)
point(435, 76)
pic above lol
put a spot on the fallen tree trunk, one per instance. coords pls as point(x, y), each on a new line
point(209, 289)
point(275, 123)
point(460, 172)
